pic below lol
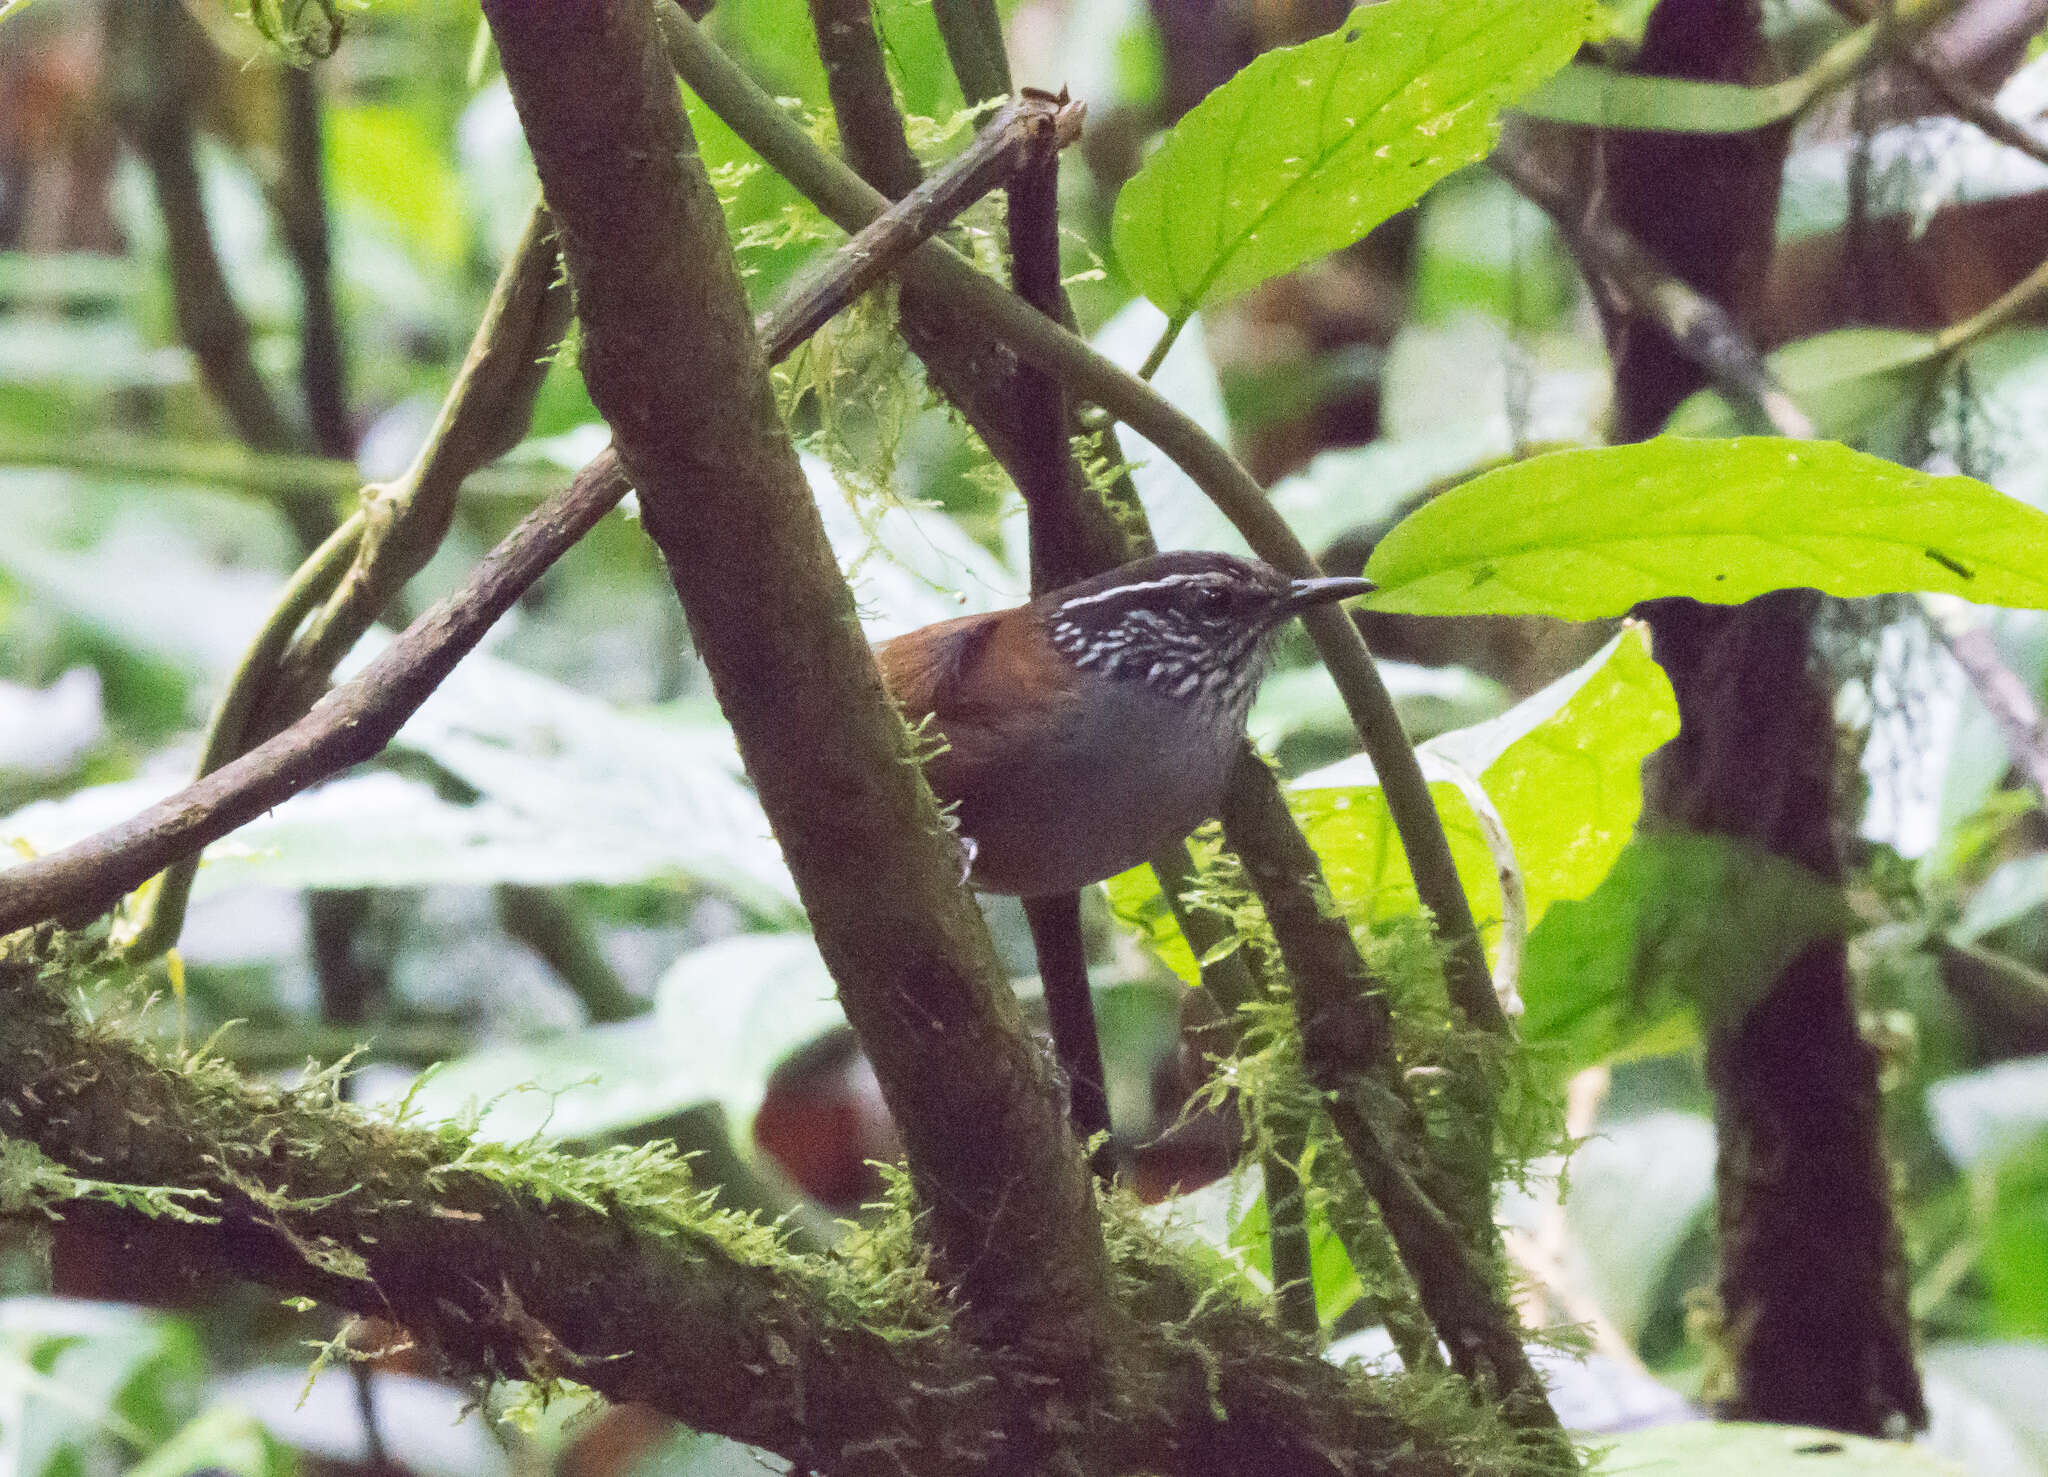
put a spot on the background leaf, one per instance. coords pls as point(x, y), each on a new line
point(1311, 146)
point(1588, 533)
point(1681, 920)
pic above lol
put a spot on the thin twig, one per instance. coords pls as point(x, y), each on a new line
point(1924, 60)
point(550, 924)
point(159, 913)
point(485, 413)
point(1287, 1239)
point(2005, 696)
point(69, 884)
point(299, 200)
point(1620, 266)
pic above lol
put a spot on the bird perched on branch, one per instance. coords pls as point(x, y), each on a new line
point(1087, 729)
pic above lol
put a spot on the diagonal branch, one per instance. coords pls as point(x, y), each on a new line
point(1621, 267)
point(87, 878)
point(671, 359)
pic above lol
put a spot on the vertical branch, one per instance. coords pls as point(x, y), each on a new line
point(159, 58)
point(863, 103)
point(299, 198)
point(972, 31)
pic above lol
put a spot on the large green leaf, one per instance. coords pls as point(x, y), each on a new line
point(1584, 534)
point(1311, 146)
point(1681, 920)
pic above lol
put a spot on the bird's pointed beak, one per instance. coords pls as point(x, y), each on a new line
point(1301, 594)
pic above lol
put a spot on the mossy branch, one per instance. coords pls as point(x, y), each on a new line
point(615, 1272)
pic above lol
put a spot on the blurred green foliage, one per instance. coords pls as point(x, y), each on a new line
point(582, 752)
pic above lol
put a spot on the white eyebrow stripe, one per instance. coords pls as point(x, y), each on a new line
point(1165, 583)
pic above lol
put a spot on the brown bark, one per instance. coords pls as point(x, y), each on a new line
point(671, 359)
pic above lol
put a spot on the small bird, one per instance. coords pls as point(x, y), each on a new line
point(1094, 725)
point(1084, 731)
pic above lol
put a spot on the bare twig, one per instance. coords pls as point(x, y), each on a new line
point(2005, 696)
point(1929, 60)
point(269, 476)
point(554, 928)
point(1618, 265)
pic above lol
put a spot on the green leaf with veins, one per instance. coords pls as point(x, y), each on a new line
point(1589, 533)
point(1311, 146)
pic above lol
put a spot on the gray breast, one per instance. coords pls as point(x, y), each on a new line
point(1154, 769)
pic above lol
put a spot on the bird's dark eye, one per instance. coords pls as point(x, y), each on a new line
point(1212, 600)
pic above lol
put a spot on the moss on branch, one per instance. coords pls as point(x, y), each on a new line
point(614, 1271)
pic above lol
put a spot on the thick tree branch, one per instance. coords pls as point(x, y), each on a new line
point(613, 1273)
point(671, 359)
